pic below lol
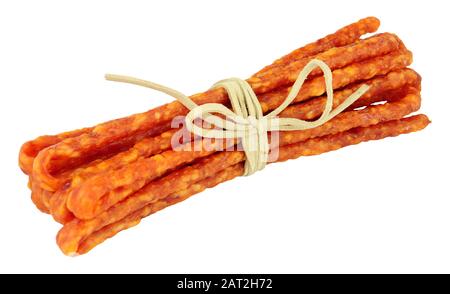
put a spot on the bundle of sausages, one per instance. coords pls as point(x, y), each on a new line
point(101, 180)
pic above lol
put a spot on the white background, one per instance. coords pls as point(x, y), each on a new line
point(378, 207)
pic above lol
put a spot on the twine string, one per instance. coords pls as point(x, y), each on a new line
point(246, 120)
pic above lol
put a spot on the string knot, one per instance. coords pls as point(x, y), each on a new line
point(246, 121)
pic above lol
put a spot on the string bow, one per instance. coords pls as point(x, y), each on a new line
point(246, 120)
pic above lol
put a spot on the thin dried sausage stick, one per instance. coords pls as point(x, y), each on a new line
point(30, 149)
point(342, 37)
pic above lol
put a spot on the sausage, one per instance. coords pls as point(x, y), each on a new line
point(344, 36)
